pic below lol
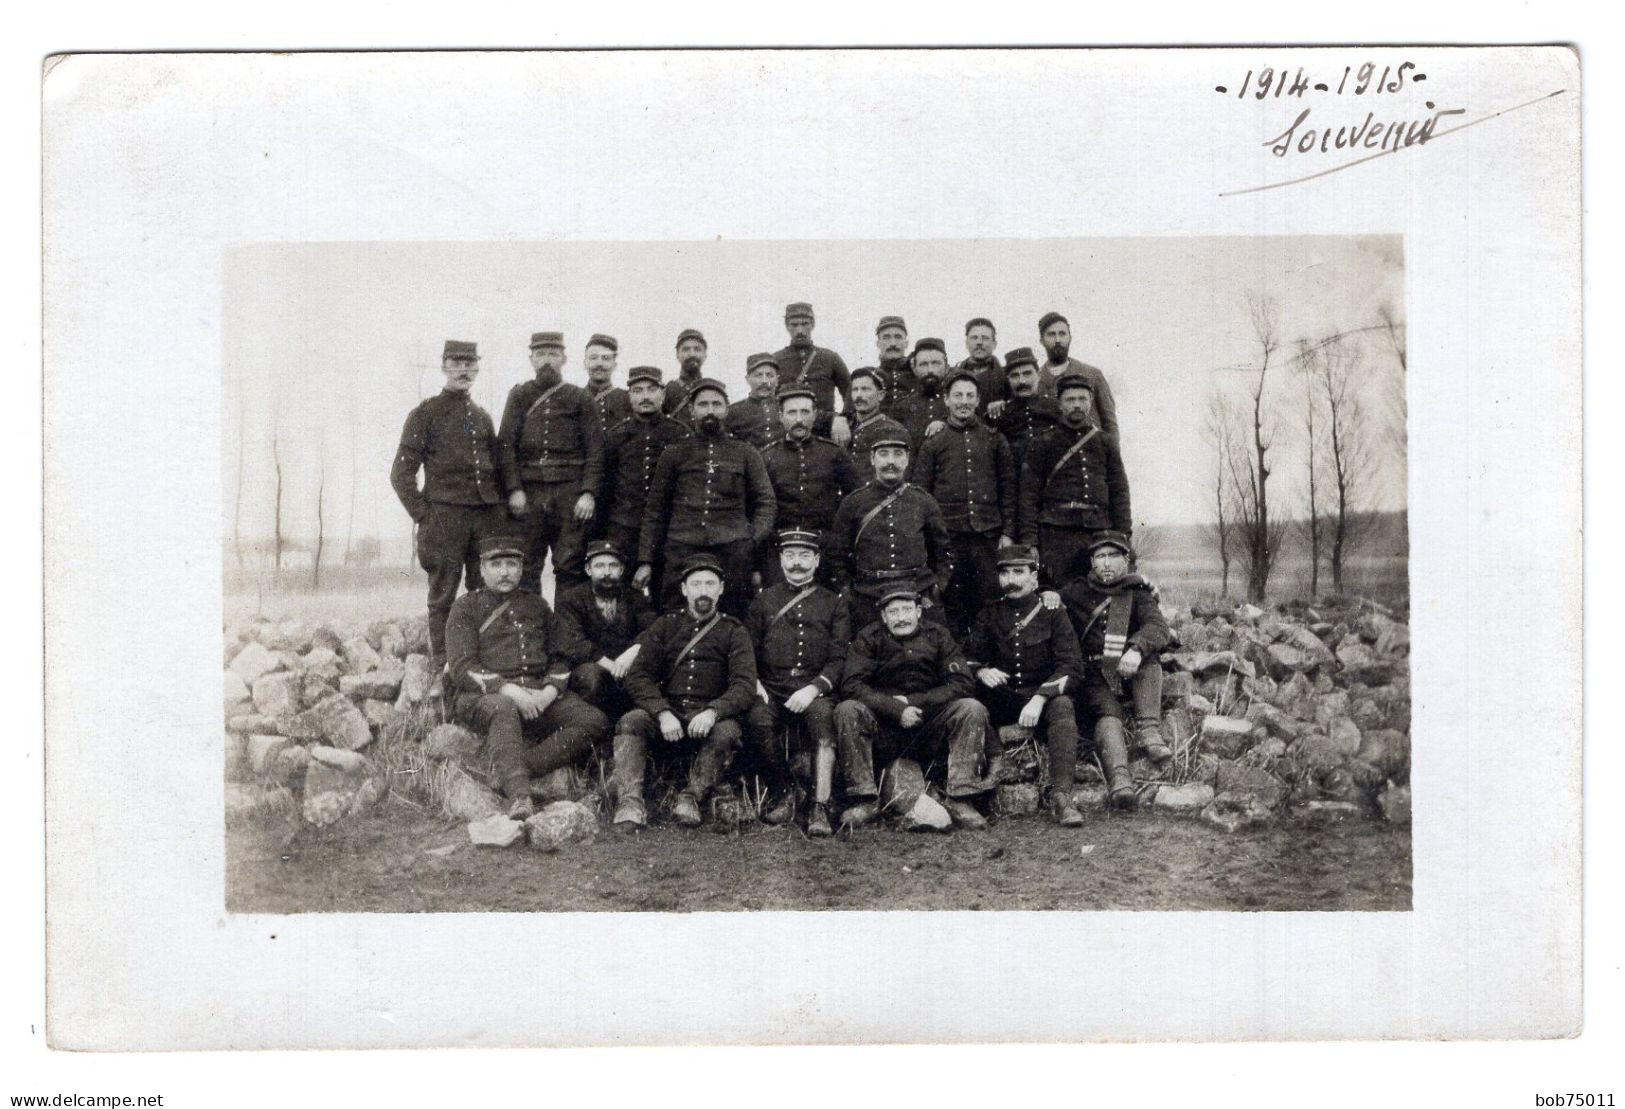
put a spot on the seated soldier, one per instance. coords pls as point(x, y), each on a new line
point(1120, 626)
point(801, 630)
point(509, 678)
point(693, 681)
point(908, 695)
point(599, 624)
point(1026, 657)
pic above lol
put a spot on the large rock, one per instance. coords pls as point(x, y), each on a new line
point(495, 831)
point(340, 723)
point(1177, 688)
point(391, 643)
point(1296, 697)
point(358, 655)
point(1339, 784)
point(1312, 752)
point(415, 682)
point(1328, 812)
point(248, 723)
point(1388, 749)
point(376, 685)
point(1367, 713)
point(321, 664)
point(1395, 803)
point(1266, 751)
point(380, 714)
point(1226, 735)
point(261, 749)
point(290, 635)
point(324, 636)
point(1274, 721)
point(451, 741)
point(1329, 706)
point(1092, 796)
point(1261, 688)
point(926, 814)
point(247, 802)
point(1393, 639)
point(1178, 729)
point(1208, 664)
point(1195, 636)
point(1241, 780)
point(467, 799)
point(1234, 812)
point(1344, 734)
point(900, 784)
point(1021, 799)
point(253, 662)
point(560, 824)
point(289, 766)
point(1283, 660)
point(339, 783)
point(1190, 797)
point(314, 688)
point(1313, 647)
point(1248, 614)
point(237, 697)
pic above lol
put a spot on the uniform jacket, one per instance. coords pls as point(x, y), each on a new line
point(810, 479)
point(754, 420)
point(677, 390)
point(806, 645)
point(822, 370)
point(719, 673)
point(900, 381)
point(613, 404)
point(917, 412)
point(453, 441)
point(905, 543)
point(864, 433)
point(631, 450)
point(1087, 490)
point(521, 645)
point(587, 635)
point(559, 439)
point(1022, 420)
point(1041, 655)
point(990, 379)
point(927, 668)
point(1105, 403)
point(972, 474)
point(1147, 630)
point(707, 490)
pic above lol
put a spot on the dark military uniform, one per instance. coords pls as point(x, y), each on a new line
point(678, 390)
point(917, 412)
point(681, 671)
point(467, 476)
point(898, 377)
point(592, 628)
point(710, 495)
point(494, 640)
point(1110, 619)
point(1023, 420)
point(810, 479)
point(930, 672)
point(754, 420)
point(631, 451)
point(1105, 403)
point(1038, 648)
point(864, 434)
point(972, 474)
point(990, 379)
point(821, 370)
point(554, 434)
point(885, 538)
point(612, 404)
point(1069, 494)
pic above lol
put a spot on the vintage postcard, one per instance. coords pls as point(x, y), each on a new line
point(767, 534)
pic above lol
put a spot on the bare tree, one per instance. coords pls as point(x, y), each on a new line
point(1347, 450)
point(1307, 361)
point(276, 465)
point(1395, 400)
point(321, 523)
point(1259, 535)
point(1219, 429)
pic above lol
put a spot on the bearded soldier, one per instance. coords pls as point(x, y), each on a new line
point(599, 623)
point(925, 410)
point(691, 354)
point(631, 450)
point(1056, 335)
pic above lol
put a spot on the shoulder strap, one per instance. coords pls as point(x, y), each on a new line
point(1072, 450)
point(495, 614)
point(1025, 620)
point(543, 398)
point(694, 640)
point(1100, 610)
point(793, 602)
point(877, 509)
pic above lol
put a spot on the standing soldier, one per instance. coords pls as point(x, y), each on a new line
point(1073, 486)
point(691, 353)
point(1025, 412)
point(801, 631)
point(755, 420)
point(551, 428)
point(1121, 629)
point(891, 346)
point(810, 474)
point(981, 339)
point(869, 417)
point(693, 681)
point(508, 677)
point(710, 496)
point(907, 694)
point(1056, 335)
point(599, 623)
point(925, 411)
point(612, 404)
point(1026, 657)
point(802, 363)
point(466, 475)
point(889, 535)
point(631, 450)
point(970, 471)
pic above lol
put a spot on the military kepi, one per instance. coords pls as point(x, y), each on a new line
point(763, 359)
point(702, 562)
point(800, 537)
point(603, 547)
point(501, 546)
point(606, 341)
point(800, 310)
point(541, 339)
point(708, 383)
point(1073, 380)
point(796, 389)
point(1017, 554)
point(643, 373)
point(1111, 539)
point(1020, 356)
point(691, 333)
point(890, 321)
point(889, 438)
point(901, 593)
point(463, 352)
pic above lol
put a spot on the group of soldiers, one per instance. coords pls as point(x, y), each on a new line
point(846, 565)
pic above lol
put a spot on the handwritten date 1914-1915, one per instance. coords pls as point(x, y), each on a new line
point(1355, 81)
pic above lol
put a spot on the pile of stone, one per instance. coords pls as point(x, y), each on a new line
point(1304, 711)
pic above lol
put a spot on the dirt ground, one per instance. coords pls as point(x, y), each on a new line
point(395, 860)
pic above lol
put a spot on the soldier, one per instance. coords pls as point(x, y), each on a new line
point(1072, 485)
point(801, 631)
point(970, 471)
point(981, 338)
point(891, 347)
point(802, 363)
point(466, 474)
point(504, 666)
point(924, 412)
point(810, 474)
point(1026, 656)
point(599, 623)
point(551, 428)
point(693, 681)
point(755, 420)
point(631, 450)
point(691, 352)
point(889, 535)
point(906, 693)
point(710, 496)
point(1025, 412)
point(1056, 335)
point(1121, 630)
point(613, 404)
point(869, 417)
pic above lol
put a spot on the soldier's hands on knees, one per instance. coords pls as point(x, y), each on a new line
point(671, 728)
point(586, 505)
point(701, 725)
point(1129, 664)
point(1032, 712)
point(992, 677)
point(523, 699)
point(840, 431)
point(1051, 599)
point(801, 698)
point(641, 576)
point(516, 502)
point(912, 716)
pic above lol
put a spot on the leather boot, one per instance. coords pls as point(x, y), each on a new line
point(782, 810)
point(861, 813)
point(685, 809)
point(1149, 734)
point(626, 769)
point(1065, 812)
point(818, 821)
point(823, 775)
point(1113, 751)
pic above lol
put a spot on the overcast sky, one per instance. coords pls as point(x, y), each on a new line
point(330, 345)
